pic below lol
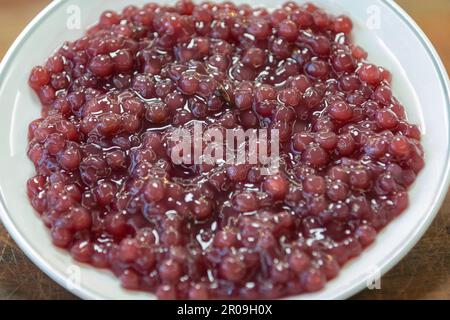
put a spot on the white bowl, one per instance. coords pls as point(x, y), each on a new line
point(392, 40)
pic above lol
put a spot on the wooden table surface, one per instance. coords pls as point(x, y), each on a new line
point(423, 274)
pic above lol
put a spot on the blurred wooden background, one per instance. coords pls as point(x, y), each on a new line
point(423, 274)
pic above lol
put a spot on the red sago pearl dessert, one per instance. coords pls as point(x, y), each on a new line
point(108, 190)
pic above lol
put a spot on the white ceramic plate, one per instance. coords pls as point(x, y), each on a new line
point(392, 40)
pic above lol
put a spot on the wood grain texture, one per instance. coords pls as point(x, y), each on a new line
point(423, 274)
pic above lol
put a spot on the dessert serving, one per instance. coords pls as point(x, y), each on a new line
point(108, 187)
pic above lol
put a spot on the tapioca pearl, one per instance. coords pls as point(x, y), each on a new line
point(366, 235)
point(170, 271)
point(281, 48)
point(359, 53)
point(254, 58)
point(300, 83)
point(312, 98)
point(416, 162)
point(171, 237)
point(35, 185)
point(340, 111)
point(313, 280)
point(199, 291)
point(320, 45)
point(109, 124)
point(102, 65)
point(55, 64)
point(266, 108)
point(55, 143)
point(207, 87)
point(131, 123)
point(343, 62)
point(398, 109)
point(317, 69)
point(99, 258)
point(105, 192)
point(299, 261)
point(327, 140)
point(134, 105)
point(82, 251)
point(79, 219)
point(317, 205)
point(188, 84)
point(221, 62)
point(122, 81)
point(383, 95)
point(349, 83)
point(145, 237)
point(154, 191)
point(387, 183)
point(175, 101)
point(285, 113)
point(288, 30)
point(240, 72)
point(248, 119)
point(400, 147)
point(265, 92)
point(284, 130)
point(129, 279)
point(259, 28)
point(109, 18)
point(166, 292)
point(60, 81)
point(360, 207)
point(303, 18)
point(346, 145)
point(70, 159)
point(238, 172)
point(277, 16)
point(360, 179)
point(122, 60)
point(203, 209)
point(202, 14)
point(245, 202)
point(337, 191)
point(182, 117)
point(279, 272)
point(370, 74)
point(232, 269)
point(157, 112)
point(300, 141)
point(321, 19)
point(276, 186)
point(39, 77)
point(144, 85)
point(61, 237)
point(116, 225)
point(314, 184)
point(409, 130)
point(289, 97)
point(32, 127)
point(376, 147)
point(316, 156)
point(46, 94)
point(92, 169)
point(386, 75)
point(243, 99)
point(225, 239)
point(116, 159)
point(342, 24)
point(400, 202)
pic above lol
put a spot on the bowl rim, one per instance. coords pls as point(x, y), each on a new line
point(352, 289)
